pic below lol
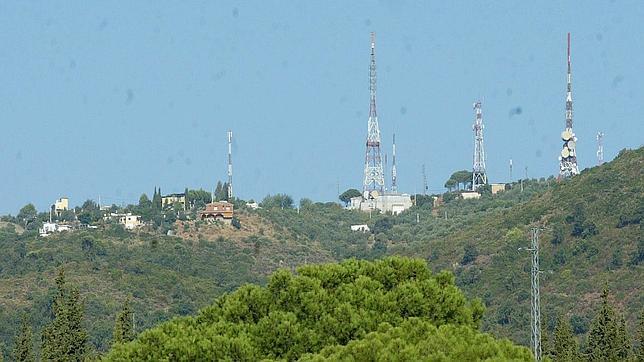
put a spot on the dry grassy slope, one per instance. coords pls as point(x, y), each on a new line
point(500, 273)
point(273, 247)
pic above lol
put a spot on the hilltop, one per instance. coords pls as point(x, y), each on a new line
point(592, 237)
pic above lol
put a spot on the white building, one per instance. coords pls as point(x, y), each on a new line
point(393, 203)
point(362, 227)
point(252, 205)
point(469, 195)
point(52, 227)
point(130, 221)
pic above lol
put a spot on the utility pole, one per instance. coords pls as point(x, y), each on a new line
point(535, 305)
point(510, 170)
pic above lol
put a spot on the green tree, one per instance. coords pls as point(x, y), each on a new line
point(220, 191)
point(623, 342)
point(23, 351)
point(565, 344)
point(325, 307)
point(469, 254)
point(144, 202)
point(282, 201)
point(156, 199)
point(348, 195)
point(27, 214)
point(450, 184)
point(640, 337)
point(124, 324)
point(603, 339)
point(64, 338)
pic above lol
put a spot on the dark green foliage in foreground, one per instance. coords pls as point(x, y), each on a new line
point(608, 339)
point(23, 351)
point(565, 348)
point(64, 338)
point(328, 306)
point(417, 340)
point(124, 324)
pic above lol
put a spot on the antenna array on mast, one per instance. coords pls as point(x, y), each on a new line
point(568, 157)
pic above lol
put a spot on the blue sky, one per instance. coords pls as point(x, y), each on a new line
point(113, 98)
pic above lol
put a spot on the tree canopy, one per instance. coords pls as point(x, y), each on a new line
point(335, 310)
point(348, 195)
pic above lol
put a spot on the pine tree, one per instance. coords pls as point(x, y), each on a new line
point(546, 348)
point(640, 337)
point(565, 348)
point(23, 351)
point(219, 195)
point(623, 343)
point(603, 336)
point(64, 338)
point(124, 325)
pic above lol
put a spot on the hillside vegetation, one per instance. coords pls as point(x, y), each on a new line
point(592, 238)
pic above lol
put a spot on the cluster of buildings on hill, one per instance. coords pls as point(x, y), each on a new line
point(222, 211)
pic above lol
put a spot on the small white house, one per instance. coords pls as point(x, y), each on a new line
point(252, 205)
point(47, 228)
point(52, 227)
point(130, 221)
point(362, 227)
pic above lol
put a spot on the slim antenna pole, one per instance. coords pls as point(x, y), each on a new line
point(394, 181)
point(600, 148)
point(230, 166)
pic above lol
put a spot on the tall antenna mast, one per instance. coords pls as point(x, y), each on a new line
point(510, 170)
point(374, 179)
point(568, 158)
point(394, 184)
point(479, 177)
point(600, 148)
point(230, 166)
point(424, 181)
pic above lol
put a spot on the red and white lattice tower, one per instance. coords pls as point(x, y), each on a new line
point(568, 157)
point(374, 178)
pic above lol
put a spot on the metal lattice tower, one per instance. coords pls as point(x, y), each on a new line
point(230, 166)
point(568, 157)
point(394, 179)
point(479, 177)
point(374, 178)
point(600, 148)
point(424, 181)
point(535, 317)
